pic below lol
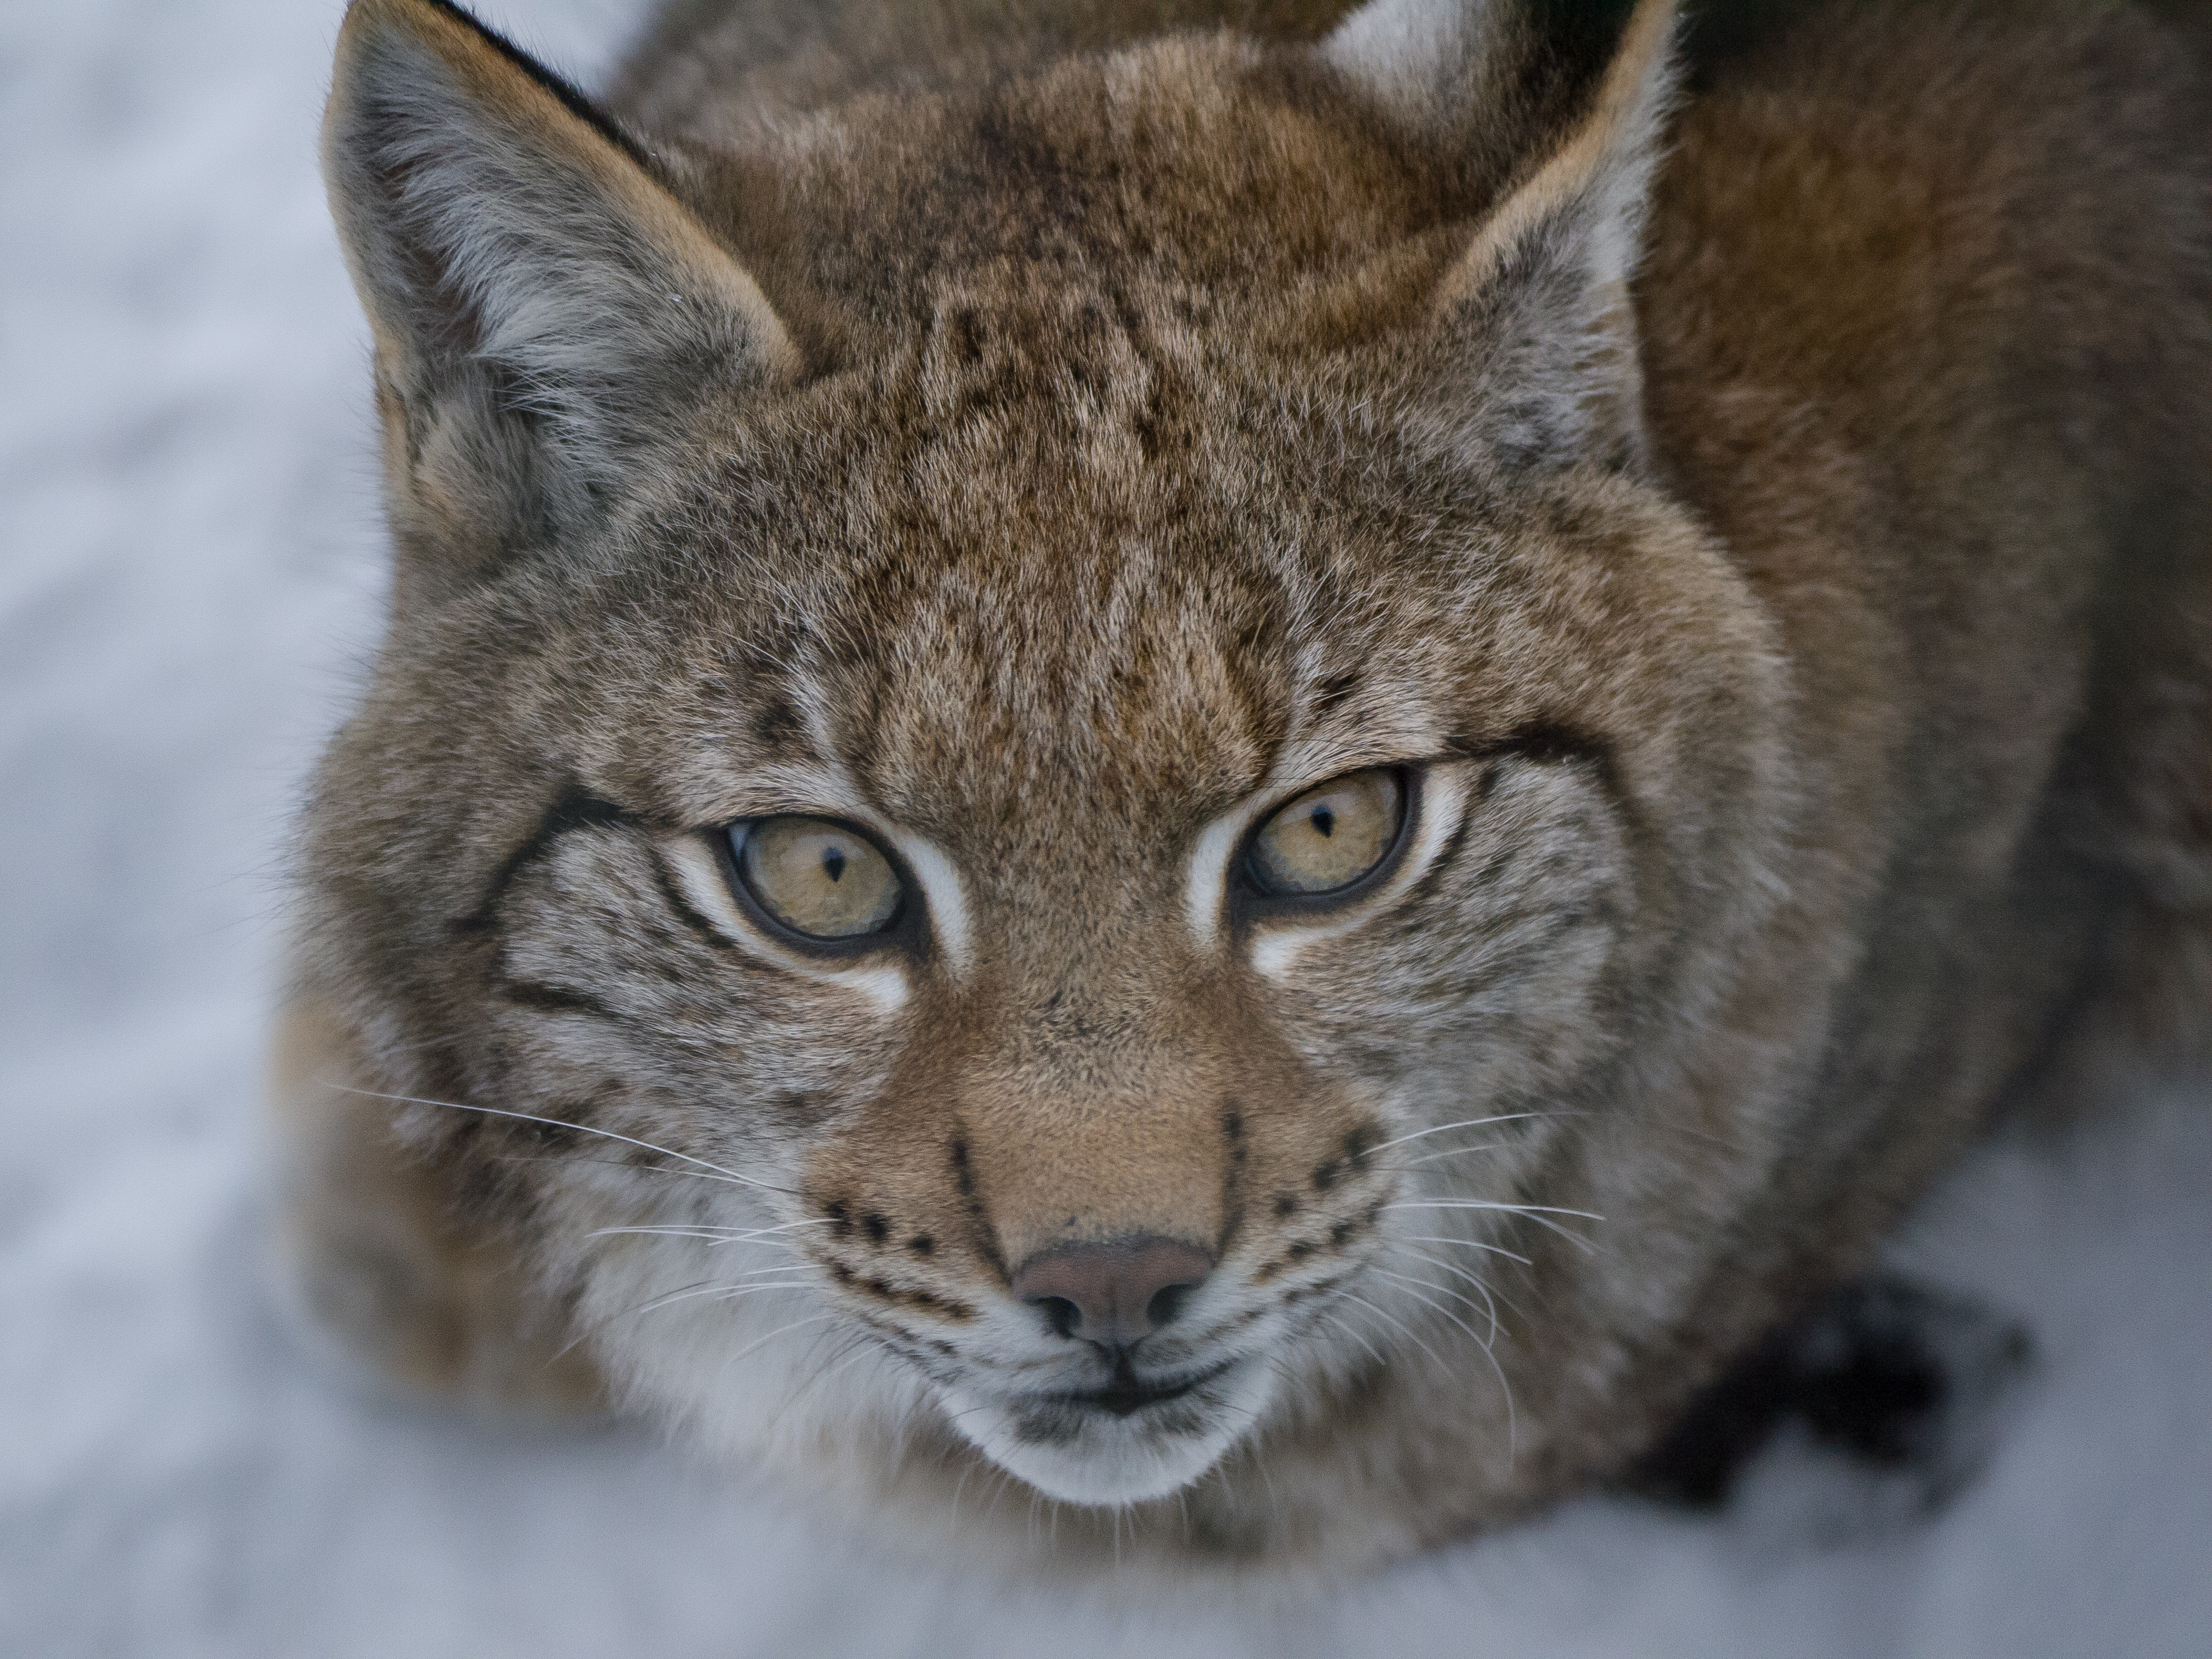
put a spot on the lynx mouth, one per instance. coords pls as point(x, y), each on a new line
point(1133, 1439)
point(1128, 1393)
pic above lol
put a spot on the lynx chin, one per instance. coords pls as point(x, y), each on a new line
point(1223, 777)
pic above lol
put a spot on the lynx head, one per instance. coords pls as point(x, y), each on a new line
point(1046, 741)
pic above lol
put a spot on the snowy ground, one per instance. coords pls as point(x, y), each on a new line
point(188, 573)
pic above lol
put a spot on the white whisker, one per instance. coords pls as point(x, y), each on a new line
point(1355, 1332)
point(1469, 1123)
point(1400, 1326)
point(1488, 1203)
point(1539, 1213)
point(1420, 1286)
point(1457, 1151)
point(1489, 1302)
point(610, 1164)
point(1469, 1244)
point(704, 1288)
point(717, 1235)
point(1512, 1416)
point(714, 1170)
point(709, 1289)
point(783, 1331)
point(735, 1291)
point(857, 1349)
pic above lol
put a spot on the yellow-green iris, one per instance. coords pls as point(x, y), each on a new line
point(1331, 835)
point(817, 878)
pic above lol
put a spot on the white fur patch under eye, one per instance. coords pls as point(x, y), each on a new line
point(1444, 799)
point(1205, 887)
point(699, 877)
point(941, 890)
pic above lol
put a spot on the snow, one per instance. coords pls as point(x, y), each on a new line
point(189, 577)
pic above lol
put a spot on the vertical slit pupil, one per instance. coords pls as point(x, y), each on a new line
point(833, 862)
point(1324, 820)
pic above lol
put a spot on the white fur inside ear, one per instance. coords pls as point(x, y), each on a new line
point(1537, 310)
point(698, 878)
point(1444, 799)
point(600, 293)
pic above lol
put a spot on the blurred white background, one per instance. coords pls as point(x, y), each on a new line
point(189, 576)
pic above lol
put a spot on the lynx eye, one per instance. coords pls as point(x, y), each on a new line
point(818, 878)
point(1328, 837)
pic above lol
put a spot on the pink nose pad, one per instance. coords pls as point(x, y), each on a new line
point(1112, 1294)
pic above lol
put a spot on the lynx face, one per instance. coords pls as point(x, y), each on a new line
point(1060, 854)
point(1078, 1120)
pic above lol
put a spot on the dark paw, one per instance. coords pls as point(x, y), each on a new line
point(1907, 1382)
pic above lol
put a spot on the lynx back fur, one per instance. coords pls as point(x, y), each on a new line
point(1245, 766)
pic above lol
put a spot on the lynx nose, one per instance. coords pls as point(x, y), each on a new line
point(1112, 1294)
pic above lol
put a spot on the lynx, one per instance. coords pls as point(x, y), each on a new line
point(1238, 771)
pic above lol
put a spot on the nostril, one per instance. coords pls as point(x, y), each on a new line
point(1061, 1315)
point(1113, 1294)
point(1167, 1302)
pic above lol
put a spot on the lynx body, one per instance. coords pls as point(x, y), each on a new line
point(1244, 767)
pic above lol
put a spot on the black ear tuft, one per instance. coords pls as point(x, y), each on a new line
point(571, 97)
point(1570, 43)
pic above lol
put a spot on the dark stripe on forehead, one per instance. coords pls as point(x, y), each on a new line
point(1254, 657)
point(1331, 693)
point(777, 726)
point(768, 685)
point(575, 808)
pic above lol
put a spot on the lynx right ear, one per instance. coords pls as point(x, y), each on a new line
point(1534, 334)
point(545, 309)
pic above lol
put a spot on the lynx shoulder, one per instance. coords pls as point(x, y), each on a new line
point(1260, 765)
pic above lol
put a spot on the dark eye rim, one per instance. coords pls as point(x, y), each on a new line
point(1256, 900)
point(903, 930)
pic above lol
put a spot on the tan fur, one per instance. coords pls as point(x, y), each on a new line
point(1764, 506)
point(379, 1246)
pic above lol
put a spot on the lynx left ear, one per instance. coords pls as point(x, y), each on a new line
point(544, 308)
point(1533, 327)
